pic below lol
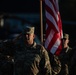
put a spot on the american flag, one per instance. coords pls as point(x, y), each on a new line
point(53, 27)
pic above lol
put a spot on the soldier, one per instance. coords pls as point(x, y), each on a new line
point(30, 57)
point(65, 55)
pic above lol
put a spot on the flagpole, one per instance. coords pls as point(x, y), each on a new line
point(41, 21)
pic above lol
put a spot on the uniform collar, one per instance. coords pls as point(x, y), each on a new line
point(32, 46)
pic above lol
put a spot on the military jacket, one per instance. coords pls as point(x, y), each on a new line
point(65, 57)
point(33, 60)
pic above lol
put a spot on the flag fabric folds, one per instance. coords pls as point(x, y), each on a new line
point(53, 27)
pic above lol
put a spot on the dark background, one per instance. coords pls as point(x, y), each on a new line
point(19, 6)
point(67, 11)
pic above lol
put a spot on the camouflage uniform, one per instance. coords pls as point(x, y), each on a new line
point(55, 64)
point(73, 63)
point(65, 61)
point(33, 60)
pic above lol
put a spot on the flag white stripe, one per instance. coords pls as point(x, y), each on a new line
point(50, 17)
point(46, 26)
point(49, 38)
point(55, 46)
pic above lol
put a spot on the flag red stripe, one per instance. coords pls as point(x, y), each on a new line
point(53, 41)
point(50, 24)
point(59, 49)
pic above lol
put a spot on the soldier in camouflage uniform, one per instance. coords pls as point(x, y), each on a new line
point(31, 58)
point(65, 56)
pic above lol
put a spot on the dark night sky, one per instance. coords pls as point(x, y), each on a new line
point(20, 6)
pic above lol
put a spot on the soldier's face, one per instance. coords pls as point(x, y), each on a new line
point(29, 38)
point(65, 42)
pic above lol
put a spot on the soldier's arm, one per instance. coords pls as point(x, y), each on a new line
point(45, 63)
point(56, 64)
